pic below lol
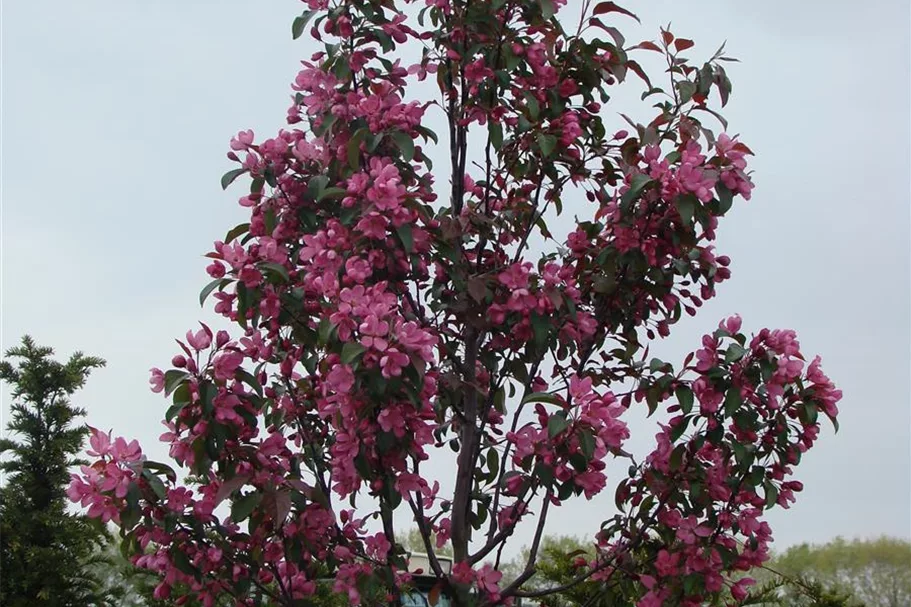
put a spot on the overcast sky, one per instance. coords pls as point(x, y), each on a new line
point(116, 115)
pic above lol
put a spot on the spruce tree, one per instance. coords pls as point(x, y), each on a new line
point(49, 555)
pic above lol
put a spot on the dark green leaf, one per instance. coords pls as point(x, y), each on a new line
point(534, 109)
point(207, 393)
point(544, 475)
point(278, 269)
point(334, 193)
point(180, 560)
point(243, 507)
point(637, 184)
point(172, 379)
point(685, 398)
point(351, 351)
point(248, 378)
point(676, 459)
point(808, 413)
point(686, 206)
point(556, 424)
point(542, 397)
point(218, 283)
point(155, 483)
point(237, 231)
point(324, 332)
point(229, 177)
point(732, 400)
point(771, 493)
point(354, 147)
point(680, 428)
point(256, 186)
point(405, 144)
point(687, 90)
point(130, 515)
point(541, 328)
point(316, 186)
point(299, 23)
point(725, 197)
point(734, 353)
point(587, 444)
point(547, 9)
point(404, 232)
point(495, 130)
point(160, 468)
point(547, 143)
point(493, 464)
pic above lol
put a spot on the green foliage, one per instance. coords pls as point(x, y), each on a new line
point(799, 591)
point(876, 573)
point(559, 562)
point(413, 542)
point(48, 556)
point(857, 573)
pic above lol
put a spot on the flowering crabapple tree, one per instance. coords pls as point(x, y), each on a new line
point(384, 313)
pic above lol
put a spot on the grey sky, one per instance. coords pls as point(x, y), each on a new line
point(116, 118)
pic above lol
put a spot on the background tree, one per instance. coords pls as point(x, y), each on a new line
point(387, 313)
point(874, 572)
point(804, 576)
point(413, 542)
point(560, 560)
point(48, 554)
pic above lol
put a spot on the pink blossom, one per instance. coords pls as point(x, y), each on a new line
point(706, 357)
point(739, 590)
point(391, 419)
point(476, 71)
point(340, 379)
point(358, 269)
point(242, 141)
point(373, 225)
point(408, 482)
point(731, 324)
point(373, 331)
point(516, 276)
point(392, 362)
point(462, 573)
point(489, 581)
point(156, 381)
point(411, 336)
point(201, 339)
point(592, 482)
point(667, 564)
point(126, 452)
point(651, 599)
point(568, 88)
point(179, 498)
point(378, 546)
point(100, 443)
point(226, 364)
point(690, 529)
point(386, 193)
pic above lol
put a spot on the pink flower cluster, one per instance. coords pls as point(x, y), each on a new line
point(378, 322)
point(103, 486)
point(592, 434)
point(748, 409)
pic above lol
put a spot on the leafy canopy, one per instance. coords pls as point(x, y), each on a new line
point(495, 309)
